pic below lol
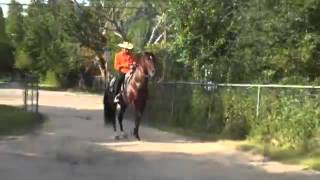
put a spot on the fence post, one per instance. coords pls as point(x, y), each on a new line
point(37, 96)
point(258, 101)
point(25, 98)
point(32, 94)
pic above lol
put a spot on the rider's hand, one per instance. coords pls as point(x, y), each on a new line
point(133, 65)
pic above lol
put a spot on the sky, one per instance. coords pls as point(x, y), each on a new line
point(5, 7)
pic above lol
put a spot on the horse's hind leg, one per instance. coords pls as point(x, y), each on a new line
point(116, 121)
point(122, 111)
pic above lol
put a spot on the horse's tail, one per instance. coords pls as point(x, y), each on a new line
point(109, 107)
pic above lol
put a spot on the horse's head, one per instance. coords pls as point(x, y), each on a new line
point(147, 62)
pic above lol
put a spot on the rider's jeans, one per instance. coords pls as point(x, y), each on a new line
point(119, 81)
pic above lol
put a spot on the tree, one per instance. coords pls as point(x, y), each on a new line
point(3, 35)
point(203, 37)
point(14, 25)
point(108, 22)
point(246, 41)
point(46, 47)
point(6, 50)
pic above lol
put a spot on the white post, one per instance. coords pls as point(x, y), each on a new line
point(258, 101)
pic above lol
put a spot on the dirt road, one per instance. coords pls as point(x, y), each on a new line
point(74, 145)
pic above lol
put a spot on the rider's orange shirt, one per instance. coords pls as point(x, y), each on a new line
point(123, 61)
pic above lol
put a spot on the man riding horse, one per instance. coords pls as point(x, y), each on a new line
point(134, 72)
point(123, 63)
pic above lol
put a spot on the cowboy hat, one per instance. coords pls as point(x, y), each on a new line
point(126, 45)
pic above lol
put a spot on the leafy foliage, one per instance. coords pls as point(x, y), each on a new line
point(246, 41)
point(6, 49)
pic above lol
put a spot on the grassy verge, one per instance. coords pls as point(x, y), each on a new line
point(14, 120)
point(3, 79)
point(311, 159)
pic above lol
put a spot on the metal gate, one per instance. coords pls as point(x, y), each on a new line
point(31, 94)
point(20, 90)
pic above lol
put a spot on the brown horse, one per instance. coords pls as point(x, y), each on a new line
point(134, 93)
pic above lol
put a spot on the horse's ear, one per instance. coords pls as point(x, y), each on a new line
point(151, 55)
point(137, 57)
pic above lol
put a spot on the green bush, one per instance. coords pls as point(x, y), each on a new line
point(206, 110)
point(22, 60)
point(50, 79)
point(239, 114)
point(292, 119)
point(64, 80)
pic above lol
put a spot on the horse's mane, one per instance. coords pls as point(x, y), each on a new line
point(140, 57)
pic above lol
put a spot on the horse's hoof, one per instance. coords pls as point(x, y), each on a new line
point(137, 136)
point(124, 135)
point(117, 137)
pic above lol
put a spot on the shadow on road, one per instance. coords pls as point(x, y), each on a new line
point(75, 144)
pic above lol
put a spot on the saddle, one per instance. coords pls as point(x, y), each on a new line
point(112, 84)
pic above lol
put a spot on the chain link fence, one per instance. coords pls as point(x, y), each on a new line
point(286, 115)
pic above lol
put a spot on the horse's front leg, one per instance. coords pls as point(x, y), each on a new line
point(114, 125)
point(119, 118)
point(137, 120)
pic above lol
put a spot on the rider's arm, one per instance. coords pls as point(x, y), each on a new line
point(133, 60)
point(117, 63)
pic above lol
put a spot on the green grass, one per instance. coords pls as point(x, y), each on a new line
point(310, 159)
point(14, 120)
point(3, 79)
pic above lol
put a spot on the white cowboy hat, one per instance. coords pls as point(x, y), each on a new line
point(126, 45)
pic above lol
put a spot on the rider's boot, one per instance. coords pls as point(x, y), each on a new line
point(117, 98)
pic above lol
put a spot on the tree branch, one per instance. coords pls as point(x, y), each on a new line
point(159, 37)
point(154, 29)
point(118, 28)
